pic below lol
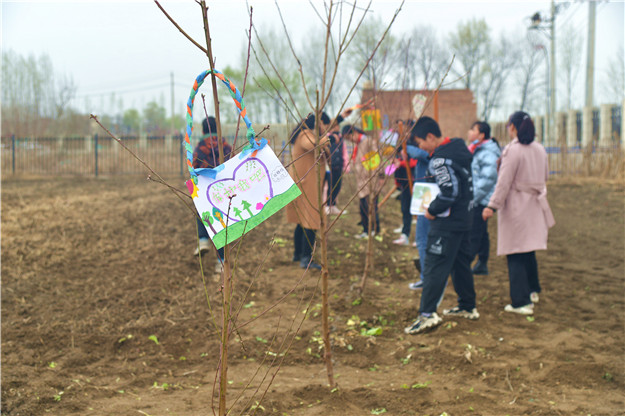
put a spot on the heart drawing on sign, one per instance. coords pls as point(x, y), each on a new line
point(237, 198)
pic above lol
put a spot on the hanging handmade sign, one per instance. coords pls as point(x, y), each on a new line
point(241, 193)
point(371, 160)
point(418, 104)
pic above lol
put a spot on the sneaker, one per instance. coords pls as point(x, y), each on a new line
point(423, 323)
point(398, 230)
point(333, 210)
point(416, 285)
point(202, 248)
point(480, 268)
point(306, 263)
point(521, 310)
point(534, 297)
point(456, 311)
point(361, 236)
point(414, 244)
point(403, 240)
point(218, 267)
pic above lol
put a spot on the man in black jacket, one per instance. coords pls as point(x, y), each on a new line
point(448, 249)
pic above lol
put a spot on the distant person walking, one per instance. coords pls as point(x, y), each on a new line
point(524, 216)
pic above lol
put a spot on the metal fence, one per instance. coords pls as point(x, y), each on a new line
point(92, 156)
point(98, 155)
point(101, 155)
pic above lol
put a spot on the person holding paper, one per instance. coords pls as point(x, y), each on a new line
point(448, 249)
point(206, 156)
point(524, 216)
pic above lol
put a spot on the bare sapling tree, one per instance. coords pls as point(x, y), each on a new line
point(336, 44)
point(230, 324)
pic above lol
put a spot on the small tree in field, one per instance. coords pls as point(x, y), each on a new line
point(339, 38)
point(229, 324)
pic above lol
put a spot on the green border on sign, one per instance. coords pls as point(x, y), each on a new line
point(236, 230)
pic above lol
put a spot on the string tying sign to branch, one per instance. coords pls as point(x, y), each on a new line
point(241, 193)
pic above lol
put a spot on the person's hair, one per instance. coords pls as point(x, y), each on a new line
point(308, 122)
point(209, 126)
point(423, 126)
point(483, 127)
point(350, 129)
point(524, 126)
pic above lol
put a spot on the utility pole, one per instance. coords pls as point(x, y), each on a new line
point(552, 78)
point(590, 56)
point(550, 30)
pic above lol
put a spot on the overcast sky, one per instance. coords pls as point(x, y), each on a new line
point(131, 48)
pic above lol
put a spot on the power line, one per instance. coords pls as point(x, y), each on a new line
point(571, 14)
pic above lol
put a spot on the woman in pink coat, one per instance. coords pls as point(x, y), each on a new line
point(524, 215)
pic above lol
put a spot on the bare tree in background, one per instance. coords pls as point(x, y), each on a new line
point(380, 69)
point(424, 59)
point(570, 54)
point(470, 44)
point(613, 82)
point(532, 85)
point(502, 59)
point(314, 69)
point(33, 95)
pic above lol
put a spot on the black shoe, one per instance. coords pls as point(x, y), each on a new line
point(303, 263)
point(480, 268)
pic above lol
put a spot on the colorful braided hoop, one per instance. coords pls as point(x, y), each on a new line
point(255, 143)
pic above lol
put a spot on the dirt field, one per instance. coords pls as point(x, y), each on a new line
point(104, 313)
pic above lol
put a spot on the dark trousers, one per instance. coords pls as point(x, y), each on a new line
point(405, 198)
point(334, 178)
point(480, 241)
point(523, 275)
point(303, 242)
point(448, 252)
point(364, 214)
point(203, 233)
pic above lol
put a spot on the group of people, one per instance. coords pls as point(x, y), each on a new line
point(453, 240)
point(475, 181)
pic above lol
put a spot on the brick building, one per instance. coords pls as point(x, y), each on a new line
point(457, 109)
